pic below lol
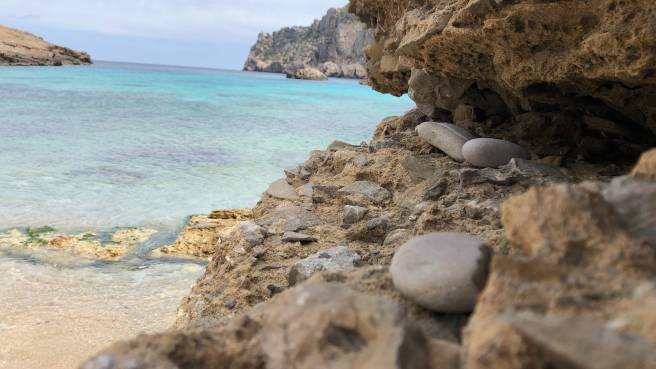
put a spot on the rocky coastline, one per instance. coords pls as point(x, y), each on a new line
point(507, 222)
point(560, 256)
point(18, 48)
point(333, 45)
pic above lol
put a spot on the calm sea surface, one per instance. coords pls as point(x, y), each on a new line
point(132, 145)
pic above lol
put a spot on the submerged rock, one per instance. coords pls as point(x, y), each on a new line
point(88, 245)
point(443, 272)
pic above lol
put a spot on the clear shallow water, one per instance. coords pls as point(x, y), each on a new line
point(127, 145)
point(116, 145)
point(56, 311)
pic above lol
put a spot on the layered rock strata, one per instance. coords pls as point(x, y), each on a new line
point(22, 48)
point(333, 45)
point(585, 68)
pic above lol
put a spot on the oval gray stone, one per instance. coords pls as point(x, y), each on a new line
point(443, 272)
point(492, 153)
point(447, 137)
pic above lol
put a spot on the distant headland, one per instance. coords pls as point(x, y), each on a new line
point(22, 48)
point(333, 45)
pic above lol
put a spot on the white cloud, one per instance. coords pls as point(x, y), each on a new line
point(170, 19)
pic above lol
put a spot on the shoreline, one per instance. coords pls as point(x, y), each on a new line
point(117, 243)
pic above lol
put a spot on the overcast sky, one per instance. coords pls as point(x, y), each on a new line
point(205, 33)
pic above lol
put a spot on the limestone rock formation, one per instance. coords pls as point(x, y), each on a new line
point(22, 48)
point(334, 45)
point(586, 66)
point(203, 234)
point(573, 291)
point(570, 280)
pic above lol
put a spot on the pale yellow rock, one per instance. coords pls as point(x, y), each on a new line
point(22, 48)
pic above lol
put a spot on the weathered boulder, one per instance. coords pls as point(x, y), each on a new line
point(578, 253)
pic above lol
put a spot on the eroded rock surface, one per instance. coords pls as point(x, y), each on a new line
point(349, 330)
point(543, 67)
point(578, 254)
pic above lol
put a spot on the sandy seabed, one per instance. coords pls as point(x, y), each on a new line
point(55, 313)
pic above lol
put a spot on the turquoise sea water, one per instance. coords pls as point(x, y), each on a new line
point(115, 145)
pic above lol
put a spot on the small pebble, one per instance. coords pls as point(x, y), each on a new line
point(353, 214)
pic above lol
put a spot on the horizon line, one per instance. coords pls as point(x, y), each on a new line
point(225, 69)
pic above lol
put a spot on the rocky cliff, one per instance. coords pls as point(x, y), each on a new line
point(22, 48)
point(589, 63)
point(508, 222)
point(334, 45)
